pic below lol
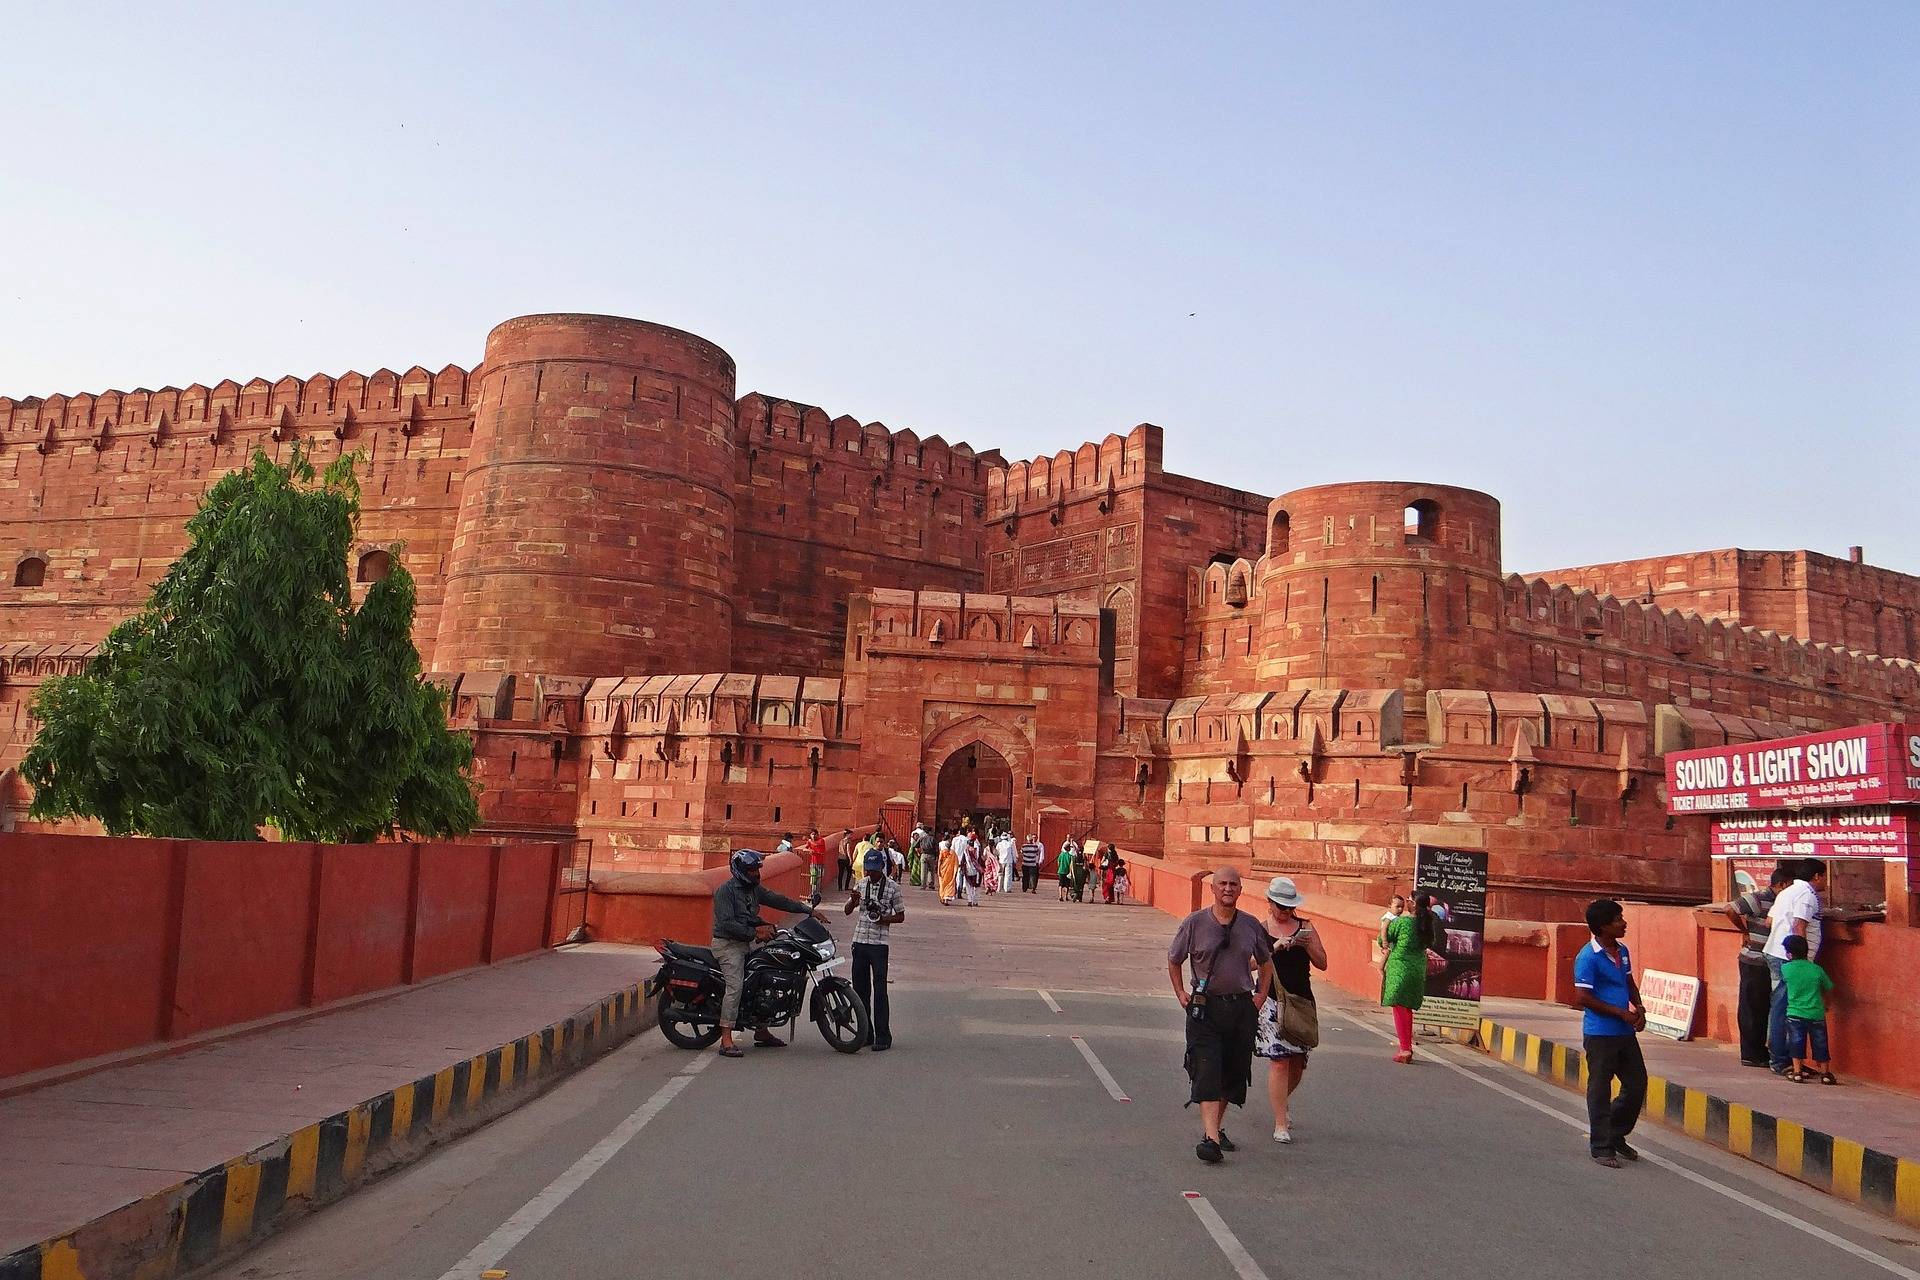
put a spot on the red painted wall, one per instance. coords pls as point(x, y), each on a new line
point(649, 906)
point(107, 945)
point(86, 938)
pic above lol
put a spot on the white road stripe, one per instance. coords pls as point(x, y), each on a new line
point(491, 1251)
point(1051, 1002)
point(1099, 1069)
point(1739, 1197)
point(1243, 1264)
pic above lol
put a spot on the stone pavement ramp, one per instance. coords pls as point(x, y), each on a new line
point(169, 1162)
point(1028, 940)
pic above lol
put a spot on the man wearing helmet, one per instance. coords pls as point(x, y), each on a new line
point(736, 927)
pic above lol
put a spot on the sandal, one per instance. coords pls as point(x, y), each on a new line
point(1796, 1075)
point(1827, 1077)
point(733, 1051)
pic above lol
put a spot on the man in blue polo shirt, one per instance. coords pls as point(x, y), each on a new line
point(1604, 986)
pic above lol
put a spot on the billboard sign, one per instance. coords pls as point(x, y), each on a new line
point(1457, 880)
point(1872, 831)
point(1865, 765)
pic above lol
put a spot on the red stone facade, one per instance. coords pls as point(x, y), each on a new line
point(677, 622)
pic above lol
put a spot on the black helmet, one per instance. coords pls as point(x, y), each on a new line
point(746, 865)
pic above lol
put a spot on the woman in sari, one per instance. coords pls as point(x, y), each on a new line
point(949, 872)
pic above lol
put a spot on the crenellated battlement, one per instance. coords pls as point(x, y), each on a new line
point(303, 404)
point(1107, 464)
point(975, 624)
point(1539, 607)
point(762, 421)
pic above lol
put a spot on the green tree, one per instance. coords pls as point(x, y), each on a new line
point(250, 692)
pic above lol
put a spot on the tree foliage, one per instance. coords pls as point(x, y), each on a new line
point(251, 692)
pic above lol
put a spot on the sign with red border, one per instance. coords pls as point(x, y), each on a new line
point(1871, 764)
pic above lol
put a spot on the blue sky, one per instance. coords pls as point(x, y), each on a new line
point(1650, 274)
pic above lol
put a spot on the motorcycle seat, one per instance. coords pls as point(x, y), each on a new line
point(696, 955)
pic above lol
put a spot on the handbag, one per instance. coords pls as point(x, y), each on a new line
point(1299, 1020)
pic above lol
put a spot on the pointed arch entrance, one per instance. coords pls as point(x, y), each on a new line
point(979, 768)
point(975, 781)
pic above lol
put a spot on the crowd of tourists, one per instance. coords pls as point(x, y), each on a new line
point(1244, 980)
point(965, 863)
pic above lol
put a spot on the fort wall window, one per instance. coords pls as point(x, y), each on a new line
point(30, 572)
point(1423, 520)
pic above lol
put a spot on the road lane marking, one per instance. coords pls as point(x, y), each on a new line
point(1051, 1002)
point(1243, 1264)
point(1099, 1069)
point(494, 1249)
point(1739, 1197)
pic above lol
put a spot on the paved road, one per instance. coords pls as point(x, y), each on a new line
point(987, 1144)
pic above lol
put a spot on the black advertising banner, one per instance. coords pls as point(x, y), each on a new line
point(1457, 881)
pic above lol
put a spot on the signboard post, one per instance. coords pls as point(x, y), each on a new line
point(1457, 881)
point(1670, 1001)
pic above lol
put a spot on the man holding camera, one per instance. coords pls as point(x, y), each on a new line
point(1232, 972)
point(881, 905)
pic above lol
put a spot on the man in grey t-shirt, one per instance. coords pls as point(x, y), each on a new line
point(1227, 949)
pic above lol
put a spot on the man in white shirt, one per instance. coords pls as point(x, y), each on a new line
point(1795, 913)
point(1005, 851)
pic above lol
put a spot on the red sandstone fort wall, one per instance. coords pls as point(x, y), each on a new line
point(827, 507)
point(100, 487)
point(1105, 525)
point(1801, 593)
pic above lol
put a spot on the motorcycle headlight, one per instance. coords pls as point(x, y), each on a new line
point(826, 950)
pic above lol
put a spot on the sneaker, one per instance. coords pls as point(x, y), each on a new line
point(881, 1046)
point(1606, 1160)
point(1283, 1135)
point(1624, 1151)
point(1209, 1151)
point(1226, 1143)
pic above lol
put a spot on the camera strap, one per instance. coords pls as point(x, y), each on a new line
point(1214, 955)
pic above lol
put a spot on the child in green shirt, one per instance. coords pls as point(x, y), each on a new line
point(1807, 984)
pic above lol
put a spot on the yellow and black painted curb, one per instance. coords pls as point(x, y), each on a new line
point(1885, 1184)
point(216, 1213)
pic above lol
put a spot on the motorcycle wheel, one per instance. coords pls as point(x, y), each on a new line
point(683, 1031)
point(843, 1018)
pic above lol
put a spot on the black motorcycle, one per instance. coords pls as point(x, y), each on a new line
point(692, 988)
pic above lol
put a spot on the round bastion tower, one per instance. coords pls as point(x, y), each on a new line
point(595, 532)
point(1381, 586)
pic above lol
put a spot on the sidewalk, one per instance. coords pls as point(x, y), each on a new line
point(189, 1154)
point(1857, 1141)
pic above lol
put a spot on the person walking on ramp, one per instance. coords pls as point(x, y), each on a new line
point(1232, 969)
point(1604, 986)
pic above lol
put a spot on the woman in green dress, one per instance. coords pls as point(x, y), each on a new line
point(1403, 976)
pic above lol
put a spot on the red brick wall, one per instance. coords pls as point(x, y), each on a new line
point(826, 507)
point(931, 672)
point(1798, 593)
point(1105, 525)
point(595, 531)
point(101, 486)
